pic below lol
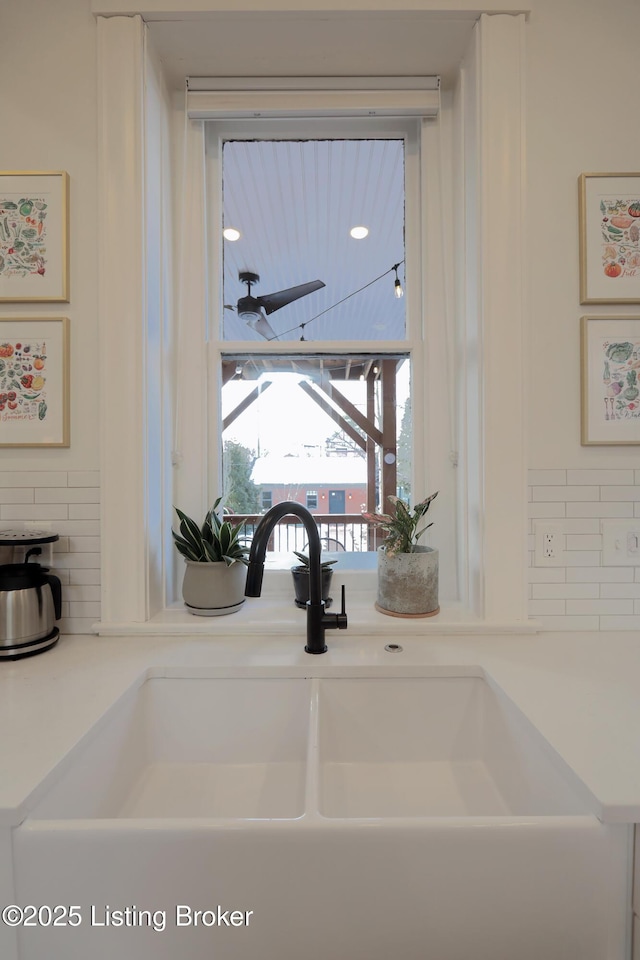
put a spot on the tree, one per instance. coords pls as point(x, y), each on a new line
point(242, 495)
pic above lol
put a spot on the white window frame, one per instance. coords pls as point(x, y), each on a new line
point(410, 131)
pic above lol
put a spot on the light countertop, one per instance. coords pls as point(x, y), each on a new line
point(580, 690)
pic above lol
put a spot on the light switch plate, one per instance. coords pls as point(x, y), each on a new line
point(620, 543)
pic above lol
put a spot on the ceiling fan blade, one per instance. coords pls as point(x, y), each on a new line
point(273, 301)
point(262, 326)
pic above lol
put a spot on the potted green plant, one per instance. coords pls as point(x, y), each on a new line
point(216, 557)
point(407, 571)
point(300, 574)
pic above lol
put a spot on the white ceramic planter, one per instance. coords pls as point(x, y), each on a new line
point(213, 589)
point(408, 583)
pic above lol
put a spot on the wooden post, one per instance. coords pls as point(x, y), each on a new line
point(389, 441)
point(371, 459)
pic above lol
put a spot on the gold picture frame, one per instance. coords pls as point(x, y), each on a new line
point(34, 236)
point(34, 382)
point(610, 380)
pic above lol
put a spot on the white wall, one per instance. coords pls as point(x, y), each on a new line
point(581, 82)
point(48, 122)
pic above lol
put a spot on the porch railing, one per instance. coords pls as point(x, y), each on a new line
point(338, 532)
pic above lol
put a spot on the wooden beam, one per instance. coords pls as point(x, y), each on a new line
point(365, 423)
point(335, 416)
point(242, 406)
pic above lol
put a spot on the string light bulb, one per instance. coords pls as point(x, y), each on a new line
point(397, 286)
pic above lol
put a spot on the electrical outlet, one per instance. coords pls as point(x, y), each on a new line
point(549, 544)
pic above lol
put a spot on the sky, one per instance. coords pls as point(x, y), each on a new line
point(284, 420)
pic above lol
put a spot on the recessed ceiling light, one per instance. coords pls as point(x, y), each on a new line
point(230, 233)
point(359, 233)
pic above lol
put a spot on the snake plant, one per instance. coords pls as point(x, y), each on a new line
point(216, 541)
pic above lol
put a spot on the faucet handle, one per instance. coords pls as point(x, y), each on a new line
point(341, 618)
point(332, 621)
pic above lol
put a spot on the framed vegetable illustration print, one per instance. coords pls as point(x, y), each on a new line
point(609, 207)
point(34, 382)
point(610, 380)
point(34, 236)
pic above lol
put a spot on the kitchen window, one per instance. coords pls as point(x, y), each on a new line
point(330, 212)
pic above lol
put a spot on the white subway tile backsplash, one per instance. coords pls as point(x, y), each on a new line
point(623, 591)
point(68, 495)
point(594, 597)
point(84, 478)
point(17, 495)
point(538, 477)
point(566, 591)
point(568, 493)
point(66, 503)
point(613, 494)
point(600, 476)
point(77, 561)
point(583, 558)
point(587, 541)
point(600, 607)
point(84, 545)
point(79, 528)
point(599, 509)
point(546, 509)
point(82, 608)
point(84, 511)
point(620, 623)
point(76, 625)
point(33, 511)
point(547, 574)
point(600, 575)
point(81, 576)
point(547, 608)
point(570, 623)
point(33, 478)
point(581, 525)
point(81, 592)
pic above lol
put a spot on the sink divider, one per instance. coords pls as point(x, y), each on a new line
point(312, 781)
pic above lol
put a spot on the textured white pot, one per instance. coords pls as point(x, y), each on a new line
point(408, 583)
point(213, 589)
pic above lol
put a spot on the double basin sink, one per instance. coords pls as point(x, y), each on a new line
point(320, 748)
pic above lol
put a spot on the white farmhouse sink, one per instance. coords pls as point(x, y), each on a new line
point(338, 748)
point(345, 817)
point(432, 747)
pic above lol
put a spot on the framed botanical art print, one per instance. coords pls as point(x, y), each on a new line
point(609, 207)
point(610, 351)
point(34, 382)
point(34, 236)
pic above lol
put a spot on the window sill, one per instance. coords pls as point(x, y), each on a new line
point(275, 614)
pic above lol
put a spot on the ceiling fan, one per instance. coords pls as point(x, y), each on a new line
point(254, 310)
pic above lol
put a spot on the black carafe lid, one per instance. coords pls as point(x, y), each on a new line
point(21, 576)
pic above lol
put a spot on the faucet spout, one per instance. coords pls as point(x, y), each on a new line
point(317, 620)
